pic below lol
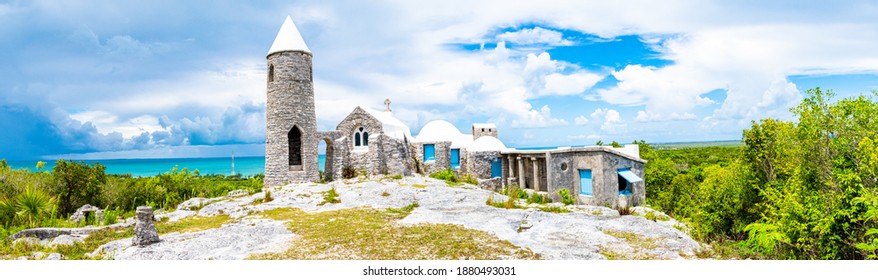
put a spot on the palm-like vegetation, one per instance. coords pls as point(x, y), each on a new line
point(32, 206)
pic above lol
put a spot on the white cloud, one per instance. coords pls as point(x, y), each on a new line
point(580, 120)
point(610, 119)
point(541, 118)
point(576, 83)
point(536, 35)
point(647, 116)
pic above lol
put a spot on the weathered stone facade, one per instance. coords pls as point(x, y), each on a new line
point(442, 156)
point(480, 130)
point(478, 164)
point(291, 136)
point(559, 169)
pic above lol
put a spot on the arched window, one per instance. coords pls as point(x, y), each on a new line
point(271, 73)
point(361, 138)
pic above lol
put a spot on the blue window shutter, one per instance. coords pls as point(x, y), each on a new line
point(357, 139)
point(629, 176)
point(429, 152)
point(455, 158)
point(585, 182)
point(496, 168)
point(365, 139)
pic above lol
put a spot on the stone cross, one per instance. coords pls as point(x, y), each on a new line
point(144, 228)
point(387, 105)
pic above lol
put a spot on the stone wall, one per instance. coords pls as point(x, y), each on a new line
point(336, 148)
point(478, 164)
point(289, 103)
point(484, 131)
point(604, 170)
point(442, 157)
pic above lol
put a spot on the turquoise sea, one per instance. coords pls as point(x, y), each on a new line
point(246, 166)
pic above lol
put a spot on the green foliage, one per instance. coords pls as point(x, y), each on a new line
point(795, 190)
point(615, 144)
point(267, 197)
point(538, 198)
point(77, 184)
point(599, 143)
point(330, 196)
point(566, 197)
point(33, 206)
point(446, 175)
point(348, 172)
point(623, 211)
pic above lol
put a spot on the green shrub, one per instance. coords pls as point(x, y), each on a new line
point(77, 184)
point(538, 198)
point(446, 175)
point(566, 197)
point(348, 172)
point(330, 196)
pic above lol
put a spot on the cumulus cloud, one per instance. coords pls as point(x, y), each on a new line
point(580, 120)
point(541, 118)
point(609, 119)
point(533, 36)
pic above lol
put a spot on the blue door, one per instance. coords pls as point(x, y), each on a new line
point(455, 158)
point(429, 152)
point(585, 181)
point(496, 168)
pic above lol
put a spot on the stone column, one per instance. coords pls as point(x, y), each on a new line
point(144, 228)
point(511, 170)
point(536, 173)
point(521, 178)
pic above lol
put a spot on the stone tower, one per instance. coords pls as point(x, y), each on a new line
point(291, 124)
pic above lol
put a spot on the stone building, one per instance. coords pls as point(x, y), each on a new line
point(596, 175)
point(376, 143)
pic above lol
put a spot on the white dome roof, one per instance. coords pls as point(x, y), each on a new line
point(437, 131)
point(487, 143)
point(393, 127)
point(288, 39)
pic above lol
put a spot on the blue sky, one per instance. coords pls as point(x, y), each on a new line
point(187, 78)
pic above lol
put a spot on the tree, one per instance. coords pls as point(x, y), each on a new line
point(77, 184)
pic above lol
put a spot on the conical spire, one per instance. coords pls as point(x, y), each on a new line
point(288, 39)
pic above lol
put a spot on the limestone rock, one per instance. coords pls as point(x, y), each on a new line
point(83, 211)
point(144, 230)
point(53, 257)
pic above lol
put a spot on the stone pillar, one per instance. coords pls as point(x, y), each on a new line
point(511, 170)
point(535, 162)
point(144, 228)
point(521, 178)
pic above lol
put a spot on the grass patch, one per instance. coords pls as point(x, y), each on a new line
point(452, 179)
point(330, 196)
point(623, 211)
point(508, 204)
point(393, 177)
point(365, 233)
point(553, 209)
point(641, 246)
point(652, 216)
point(78, 250)
point(385, 193)
point(192, 224)
point(419, 186)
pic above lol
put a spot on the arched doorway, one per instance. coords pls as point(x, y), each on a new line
point(294, 138)
point(325, 161)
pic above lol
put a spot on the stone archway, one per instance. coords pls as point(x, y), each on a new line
point(328, 166)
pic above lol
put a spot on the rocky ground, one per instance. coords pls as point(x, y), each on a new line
point(586, 232)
